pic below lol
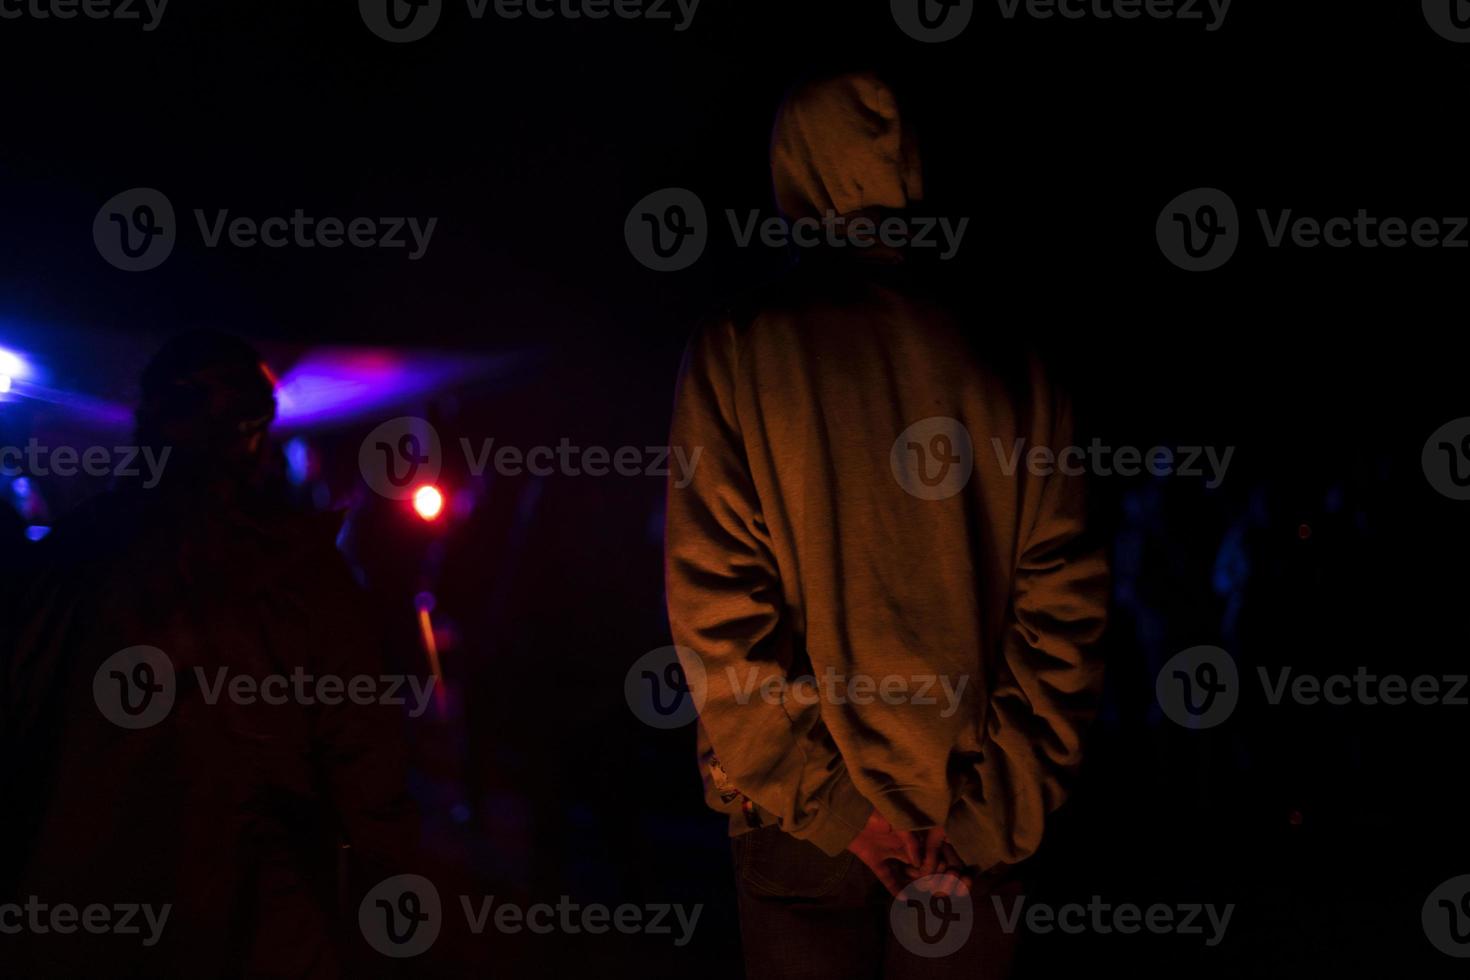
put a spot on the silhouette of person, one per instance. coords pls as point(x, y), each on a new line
point(177, 735)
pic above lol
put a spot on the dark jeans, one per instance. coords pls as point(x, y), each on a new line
point(807, 916)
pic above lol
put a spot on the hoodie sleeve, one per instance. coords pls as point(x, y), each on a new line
point(725, 608)
point(1047, 679)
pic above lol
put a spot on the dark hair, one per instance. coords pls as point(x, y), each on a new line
point(208, 376)
point(206, 389)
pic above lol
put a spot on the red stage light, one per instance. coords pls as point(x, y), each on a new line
point(428, 502)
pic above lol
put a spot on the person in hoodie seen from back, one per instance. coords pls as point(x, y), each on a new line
point(887, 618)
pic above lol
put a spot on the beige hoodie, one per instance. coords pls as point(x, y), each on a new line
point(946, 612)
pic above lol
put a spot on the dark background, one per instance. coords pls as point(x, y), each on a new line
point(1327, 369)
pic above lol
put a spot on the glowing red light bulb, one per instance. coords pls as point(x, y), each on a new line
point(428, 502)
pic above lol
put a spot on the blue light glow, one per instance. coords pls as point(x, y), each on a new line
point(298, 461)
